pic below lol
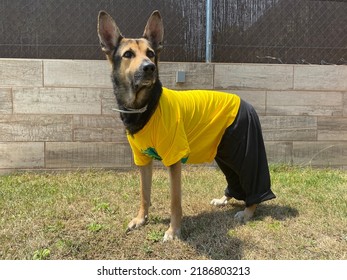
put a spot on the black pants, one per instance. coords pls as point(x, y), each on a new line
point(241, 156)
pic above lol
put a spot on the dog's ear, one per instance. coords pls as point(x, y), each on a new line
point(109, 34)
point(154, 31)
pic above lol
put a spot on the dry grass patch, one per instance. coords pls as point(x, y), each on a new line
point(83, 215)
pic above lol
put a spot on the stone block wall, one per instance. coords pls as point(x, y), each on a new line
point(57, 114)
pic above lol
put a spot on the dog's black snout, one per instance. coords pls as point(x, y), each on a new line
point(148, 67)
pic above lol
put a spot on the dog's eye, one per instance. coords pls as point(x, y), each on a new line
point(128, 54)
point(150, 54)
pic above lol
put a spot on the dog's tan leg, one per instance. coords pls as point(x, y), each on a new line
point(245, 215)
point(174, 230)
point(220, 201)
point(146, 184)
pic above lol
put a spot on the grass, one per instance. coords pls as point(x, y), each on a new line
point(83, 215)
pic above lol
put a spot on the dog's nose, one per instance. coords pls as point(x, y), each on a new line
point(148, 67)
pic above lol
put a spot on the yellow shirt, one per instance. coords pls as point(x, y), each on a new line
point(186, 125)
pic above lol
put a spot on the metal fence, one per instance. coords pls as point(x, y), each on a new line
point(247, 31)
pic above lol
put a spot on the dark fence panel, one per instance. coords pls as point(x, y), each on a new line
point(254, 31)
point(67, 29)
point(282, 31)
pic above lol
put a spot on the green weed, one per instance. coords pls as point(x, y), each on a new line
point(42, 254)
point(94, 227)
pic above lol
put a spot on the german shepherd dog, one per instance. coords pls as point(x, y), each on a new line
point(238, 146)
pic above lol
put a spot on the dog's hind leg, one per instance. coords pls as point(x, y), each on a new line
point(245, 215)
point(220, 201)
point(146, 184)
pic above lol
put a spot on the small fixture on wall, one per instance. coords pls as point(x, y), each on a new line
point(180, 76)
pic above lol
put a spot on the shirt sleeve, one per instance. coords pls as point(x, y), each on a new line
point(140, 159)
point(173, 145)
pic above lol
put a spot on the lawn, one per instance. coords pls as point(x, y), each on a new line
point(83, 215)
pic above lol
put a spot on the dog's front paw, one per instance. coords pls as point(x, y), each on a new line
point(136, 223)
point(172, 234)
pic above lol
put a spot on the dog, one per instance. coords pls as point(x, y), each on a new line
point(178, 127)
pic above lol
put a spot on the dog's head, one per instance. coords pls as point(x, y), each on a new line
point(134, 61)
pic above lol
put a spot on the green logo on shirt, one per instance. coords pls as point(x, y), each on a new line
point(152, 153)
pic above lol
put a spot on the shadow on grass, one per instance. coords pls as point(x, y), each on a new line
point(208, 234)
point(277, 212)
point(211, 233)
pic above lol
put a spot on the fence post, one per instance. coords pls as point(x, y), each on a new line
point(208, 31)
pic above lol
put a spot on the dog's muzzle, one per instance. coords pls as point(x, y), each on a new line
point(143, 80)
point(145, 76)
point(148, 67)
